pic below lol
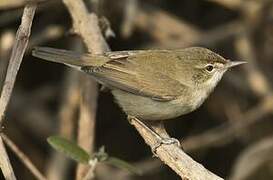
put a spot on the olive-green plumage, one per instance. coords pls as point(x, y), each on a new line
point(150, 84)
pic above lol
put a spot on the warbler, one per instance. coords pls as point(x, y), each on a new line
point(150, 85)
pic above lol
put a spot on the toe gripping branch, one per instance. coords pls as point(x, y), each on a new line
point(160, 138)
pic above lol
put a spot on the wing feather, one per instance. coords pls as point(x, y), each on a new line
point(127, 74)
point(130, 71)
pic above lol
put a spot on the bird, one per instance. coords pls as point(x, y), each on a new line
point(150, 85)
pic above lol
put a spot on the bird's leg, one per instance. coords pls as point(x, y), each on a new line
point(158, 129)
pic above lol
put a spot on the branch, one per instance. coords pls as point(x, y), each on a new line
point(173, 156)
point(22, 38)
point(17, 54)
point(26, 161)
point(5, 163)
point(86, 25)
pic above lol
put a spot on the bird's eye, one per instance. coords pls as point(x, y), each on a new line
point(209, 67)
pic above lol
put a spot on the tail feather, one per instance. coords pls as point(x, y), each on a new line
point(66, 57)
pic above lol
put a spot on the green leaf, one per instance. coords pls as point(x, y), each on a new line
point(123, 165)
point(69, 148)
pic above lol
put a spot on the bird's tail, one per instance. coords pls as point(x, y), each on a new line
point(66, 57)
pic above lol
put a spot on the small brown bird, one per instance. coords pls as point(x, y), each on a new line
point(150, 84)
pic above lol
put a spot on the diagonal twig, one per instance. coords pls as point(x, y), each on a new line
point(17, 54)
point(5, 163)
point(22, 38)
point(26, 161)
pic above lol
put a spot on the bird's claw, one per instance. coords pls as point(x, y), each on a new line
point(165, 141)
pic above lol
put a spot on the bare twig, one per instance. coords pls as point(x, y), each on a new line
point(86, 25)
point(173, 156)
point(5, 163)
point(70, 103)
point(17, 54)
point(88, 105)
point(25, 160)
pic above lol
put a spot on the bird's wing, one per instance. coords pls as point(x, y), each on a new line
point(125, 72)
point(121, 70)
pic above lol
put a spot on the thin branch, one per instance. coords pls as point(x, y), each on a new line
point(86, 124)
point(5, 163)
point(17, 54)
point(173, 156)
point(86, 25)
point(22, 38)
point(25, 160)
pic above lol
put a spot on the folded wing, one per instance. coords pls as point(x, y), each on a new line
point(122, 70)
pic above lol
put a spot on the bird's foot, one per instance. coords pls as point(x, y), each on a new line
point(165, 141)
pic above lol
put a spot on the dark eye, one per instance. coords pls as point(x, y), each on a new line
point(209, 67)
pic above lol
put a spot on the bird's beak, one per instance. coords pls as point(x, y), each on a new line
point(234, 63)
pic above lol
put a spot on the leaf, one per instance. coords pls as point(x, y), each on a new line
point(69, 148)
point(123, 165)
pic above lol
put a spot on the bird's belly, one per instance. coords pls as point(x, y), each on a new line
point(147, 109)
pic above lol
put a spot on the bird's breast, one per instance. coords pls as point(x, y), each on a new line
point(148, 109)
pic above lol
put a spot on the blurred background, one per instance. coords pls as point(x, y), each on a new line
point(231, 134)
